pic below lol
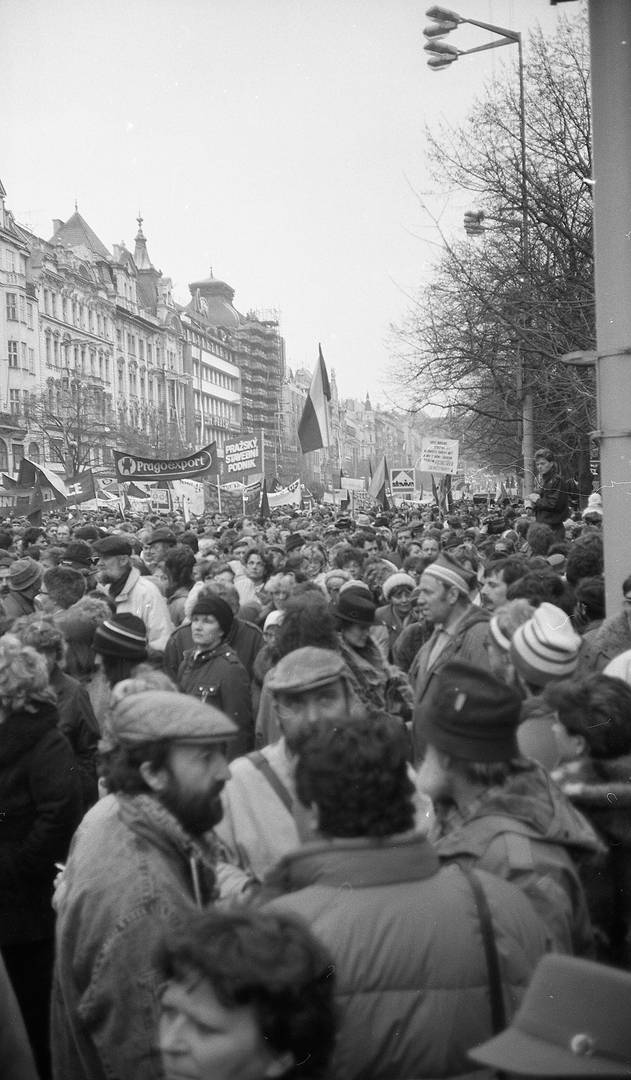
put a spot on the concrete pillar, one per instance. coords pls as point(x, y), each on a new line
point(610, 43)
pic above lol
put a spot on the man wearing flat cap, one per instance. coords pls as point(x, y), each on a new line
point(157, 546)
point(24, 581)
point(499, 811)
point(130, 591)
point(139, 864)
point(261, 820)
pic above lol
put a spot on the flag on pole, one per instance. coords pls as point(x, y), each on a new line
point(379, 484)
point(264, 507)
point(80, 487)
point(313, 429)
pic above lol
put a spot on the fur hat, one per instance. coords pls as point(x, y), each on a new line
point(472, 715)
point(546, 647)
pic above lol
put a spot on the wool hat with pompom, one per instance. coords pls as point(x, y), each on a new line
point(546, 647)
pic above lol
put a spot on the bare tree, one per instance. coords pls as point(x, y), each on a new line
point(76, 422)
point(482, 321)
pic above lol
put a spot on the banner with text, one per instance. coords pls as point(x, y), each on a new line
point(243, 455)
point(439, 455)
point(131, 467)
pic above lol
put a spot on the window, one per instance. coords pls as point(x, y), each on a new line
point(13, 354)
point(31, 360)
point(12, 310)
point(22, 309)
point(18, 453)
point(10, 259)
point(64, 308)
point(119, 338)
point(33, 452)
point(29, 315)
point(149, 353)
point(23, 353)
point(14, 401)
point(4, 456)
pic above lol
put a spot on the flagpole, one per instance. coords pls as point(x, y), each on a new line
point(219, 494)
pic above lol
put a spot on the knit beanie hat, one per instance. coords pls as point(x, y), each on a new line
point(214, 605)
point(24, 573)
point(546, 647)
point(450, 571)
point(397, 581)
point(123, 635)
point(472, 715)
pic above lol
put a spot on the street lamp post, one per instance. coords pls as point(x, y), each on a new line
point(442, 55)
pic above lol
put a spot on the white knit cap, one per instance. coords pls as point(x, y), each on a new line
point(546, 647)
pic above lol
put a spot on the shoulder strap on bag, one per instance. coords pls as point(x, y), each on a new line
point(262, 764)
point(498, 1014)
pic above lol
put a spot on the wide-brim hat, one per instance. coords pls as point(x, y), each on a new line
point(354, 605)
point(572, 1022)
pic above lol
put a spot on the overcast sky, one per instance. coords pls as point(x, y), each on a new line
point(280, 142)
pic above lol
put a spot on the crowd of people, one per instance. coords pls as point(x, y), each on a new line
point(314, 796)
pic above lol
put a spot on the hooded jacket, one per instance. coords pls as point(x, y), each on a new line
point(132, 872)
point(40, 807)
point(411, 975)
point(528, 833)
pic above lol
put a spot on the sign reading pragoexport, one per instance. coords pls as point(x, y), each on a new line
point(244, 455)
point(130, 466)
point(439, 456)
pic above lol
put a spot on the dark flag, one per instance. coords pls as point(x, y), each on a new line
point(80, 488)
point(264, 507)
point(313, 429)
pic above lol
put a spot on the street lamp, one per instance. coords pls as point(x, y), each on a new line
point(443, 55)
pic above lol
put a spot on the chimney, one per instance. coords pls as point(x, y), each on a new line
point(57, 223)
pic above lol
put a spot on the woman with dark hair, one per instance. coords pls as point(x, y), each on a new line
point(40, 797)
point(248, 995)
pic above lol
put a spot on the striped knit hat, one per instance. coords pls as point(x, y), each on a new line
point(546, 647)
point(450, 571)
point(123, 635)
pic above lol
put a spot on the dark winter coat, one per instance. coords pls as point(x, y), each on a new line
point(40, 807)
point(244, 637)
point(79, 725)
point(217, 676)
point(411, 975)
point(601, 789)
point(527, 832)
point(552, 506)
